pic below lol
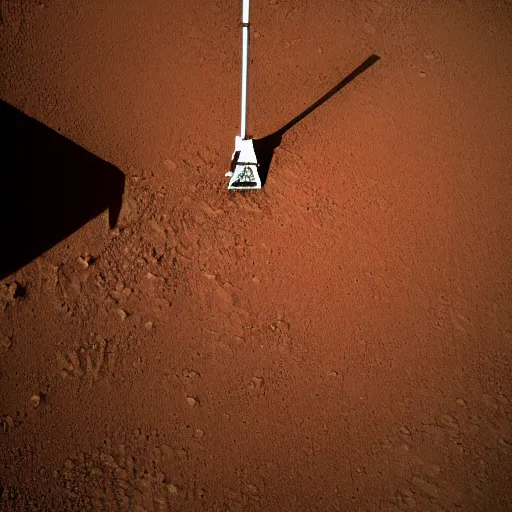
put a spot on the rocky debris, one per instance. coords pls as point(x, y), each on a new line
point(85, 261)
point(190, 374)
point(192, 402)
point(122, 314)
point(6, 424)
point(172, 489)
point(148, 325)
point(199, 433)
point(15, 291)
point(35, 400)
point(256, 383)
point(5, 342)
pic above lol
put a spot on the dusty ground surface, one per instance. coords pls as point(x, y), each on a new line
point(340, 340)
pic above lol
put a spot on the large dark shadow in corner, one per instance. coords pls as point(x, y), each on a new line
point(266, 146)
point(49, 186)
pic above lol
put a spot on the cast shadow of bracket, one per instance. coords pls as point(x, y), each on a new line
point(50, 188)
point(265, 147)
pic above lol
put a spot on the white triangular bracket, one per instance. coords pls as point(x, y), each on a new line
point(244, 166)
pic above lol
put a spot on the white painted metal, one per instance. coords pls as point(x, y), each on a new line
point(245, 57)
point(244, 164)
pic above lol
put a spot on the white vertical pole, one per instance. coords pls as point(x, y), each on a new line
point(245, 58)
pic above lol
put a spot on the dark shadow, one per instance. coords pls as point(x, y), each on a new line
point(50, 187)
point(266, 146)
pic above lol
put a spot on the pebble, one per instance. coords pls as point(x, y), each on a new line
point(461, 402)
point(199, 433)
point(405, 431)
point(15, 291)
point(172, 489)
point(320, 51)
point(256, 383)
point(333, 374)
point(426, 487)
point(35, 400)
point(5, 341)
point(423, 74)
point(148, 325)
point(6, 422)
point(122, 314)
point(169, 164)
point(84, 261)
point(192, 402)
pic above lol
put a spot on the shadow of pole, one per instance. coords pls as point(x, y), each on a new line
point(266, 146)
point(50, 188)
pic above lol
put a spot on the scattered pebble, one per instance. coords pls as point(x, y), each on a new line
point(84, 261)
point(6, 422)
point(252, 489)
point(5, 342)
point(320, 51)
point(426, 487)
point(423, 74)
point(461, 402)
point(256, 383)
point(333, 374)
point(405, 431)
point(190, 374)
point(148, 325)
point(35, 400)
point(502, 399)
point(192, 402)
point(199, 433)
point(16, 291)
point(256, 34)
point(122, 314)
point(172, 489)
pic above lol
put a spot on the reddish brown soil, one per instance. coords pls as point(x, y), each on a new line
point(340, 340)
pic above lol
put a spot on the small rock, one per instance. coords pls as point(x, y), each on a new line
point(256, 34)
point(170, 165)
point(405, 431)
point(256, 383)
point(190, 374)
point(199, 433)
point(35, 400)
point(5, 342)
point(255, 280)
point(502, 399)
point(426, 487)
point(148, 325)
point(320, 51)
point(192, 402)
point(423, 74)
point(172, 489)
point(7, 423)
point(122, 314)
point(84, 261)
point(333, 374)
point(252, 489)
point(461, 402)
point(16, 291)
